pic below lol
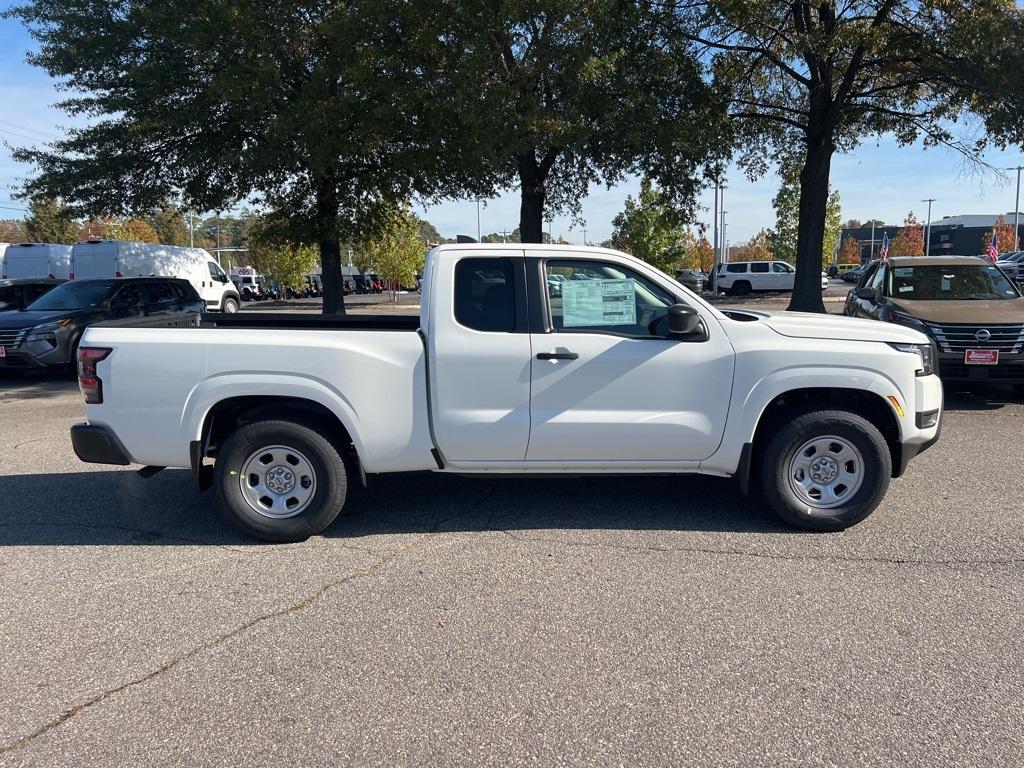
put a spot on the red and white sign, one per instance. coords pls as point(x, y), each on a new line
point(3, 351)
point(981, 357)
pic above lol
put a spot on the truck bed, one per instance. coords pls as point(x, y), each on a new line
point(275, 321)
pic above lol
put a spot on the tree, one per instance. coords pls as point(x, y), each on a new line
point(874, 222)
point(852, 224)
point(271, 254)
point(306, 108)
point(910, 239)
point(704, 255)
point(394, 249)
point(758, 248)
point(1006, 240)
point(650, 229)
point(50, 221)
point(169, 225)
point(135, 230)
point(554, 96)
point(787, 216)
point(12, 231)
point(428, 232)
point(822, 74)
point(849, 252)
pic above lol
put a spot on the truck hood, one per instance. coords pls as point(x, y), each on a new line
point(808, 325)
point(973, 312)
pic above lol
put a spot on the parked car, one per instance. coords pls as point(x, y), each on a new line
point(853, 275)
point(19, 293)
point(625, 373)
point(46, 333)
point(251, 286)
point(693, 279)
point(973, 314)
point(39, 260)
point(121, 258)
point(738, 278)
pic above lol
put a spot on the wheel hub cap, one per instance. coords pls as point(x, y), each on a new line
point(277, 481)
point(826, 472)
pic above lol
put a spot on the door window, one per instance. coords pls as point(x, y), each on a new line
point(869, 273)
point(607, 298)
point(759, 268)
point(736, 268)
point(780, 267)
point(216, 272)
point(129, 298)
point(485, 295)
point(161, 293)
point(878, 280)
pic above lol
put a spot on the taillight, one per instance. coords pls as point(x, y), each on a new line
point(88, 380)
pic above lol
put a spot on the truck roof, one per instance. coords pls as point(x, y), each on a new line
point(934, 261)
point(523, 247)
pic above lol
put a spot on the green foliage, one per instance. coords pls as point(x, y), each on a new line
point(758, 248)
point(651, 229)
point(169, 225)
point(812, 77)
point(787, 218)
point(50, 221)
point(394, 249)
point(284, 263)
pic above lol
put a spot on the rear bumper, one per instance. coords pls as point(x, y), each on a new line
point(96, 444)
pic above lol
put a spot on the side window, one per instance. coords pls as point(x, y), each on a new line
point(736, 268)
point(128, 297)
point(760, 267)
point(778, 266)
point(608, 298)
point(878, 279)
point(868, 275)
point(215, 271)
point(485, 295)
point(160, 292)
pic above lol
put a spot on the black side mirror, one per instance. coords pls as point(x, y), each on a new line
point(682, 320)
point(868, 294)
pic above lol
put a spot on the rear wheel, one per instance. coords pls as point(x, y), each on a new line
point(740, 288)
point(280, 480)
point(826, 470)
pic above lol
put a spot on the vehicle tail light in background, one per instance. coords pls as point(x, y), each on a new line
point(88, 379)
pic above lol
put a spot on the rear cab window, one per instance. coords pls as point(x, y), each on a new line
point(485, 295)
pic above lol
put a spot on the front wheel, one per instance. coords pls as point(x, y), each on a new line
point(826, 470)
point(229, 305)
point(280, 480)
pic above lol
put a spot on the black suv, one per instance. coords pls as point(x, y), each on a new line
point(19, 292)
point(45, 334)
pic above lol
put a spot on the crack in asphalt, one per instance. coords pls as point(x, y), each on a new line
point(296, 607)
point(519, 538)
point(128, 529)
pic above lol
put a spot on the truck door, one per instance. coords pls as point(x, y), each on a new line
point(608, 385)
point(479, 359)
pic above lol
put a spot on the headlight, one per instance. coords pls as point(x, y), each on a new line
point(46, 331)
point(902, 319)
point(925, 351)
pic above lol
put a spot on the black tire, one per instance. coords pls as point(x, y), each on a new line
point(330, 481)
point(229, 305)
point(777, 460)
point(740, 288)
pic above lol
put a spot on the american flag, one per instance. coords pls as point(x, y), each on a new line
point(883, 252)
point(992, 250)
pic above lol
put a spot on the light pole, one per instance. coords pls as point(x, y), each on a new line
point(725, 243)
point(928, 227)
point(714, 250)
point(872, 257)
point(1016, 209)
point(478, 219)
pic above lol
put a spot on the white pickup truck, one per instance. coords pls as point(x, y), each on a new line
point(622, 370)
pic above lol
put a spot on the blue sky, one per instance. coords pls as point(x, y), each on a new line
point(881, 181)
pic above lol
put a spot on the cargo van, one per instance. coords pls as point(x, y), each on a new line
point(123, 258)
point(41, 260)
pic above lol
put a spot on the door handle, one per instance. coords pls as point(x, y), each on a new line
point(558, 356)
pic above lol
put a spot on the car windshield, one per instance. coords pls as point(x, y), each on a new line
point(956, 282)
point(75, 295)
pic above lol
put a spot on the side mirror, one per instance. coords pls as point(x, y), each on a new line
point(868, 294)
point(682, 320)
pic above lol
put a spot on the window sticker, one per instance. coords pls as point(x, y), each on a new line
point(903, 271)
point(598, 302)
point(905, 288)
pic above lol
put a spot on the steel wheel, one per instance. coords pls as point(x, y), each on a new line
point(826, 472)
point(277, 481)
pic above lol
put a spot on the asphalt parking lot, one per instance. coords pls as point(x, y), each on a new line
point(449, 621)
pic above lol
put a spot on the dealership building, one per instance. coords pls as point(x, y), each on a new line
point(961, 235)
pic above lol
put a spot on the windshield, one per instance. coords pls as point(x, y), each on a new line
point(983, 282)
point(83, 294)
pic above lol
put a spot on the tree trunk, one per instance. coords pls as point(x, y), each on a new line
point(330, 246)
point(811, 227)
point(531, 208)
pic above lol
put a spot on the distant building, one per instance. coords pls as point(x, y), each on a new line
point(868, 247)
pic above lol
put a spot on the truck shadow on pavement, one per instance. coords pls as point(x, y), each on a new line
point(119, 508)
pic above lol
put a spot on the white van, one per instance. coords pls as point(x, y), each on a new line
point(122, 258)
point(35, 260)
point(738, 278)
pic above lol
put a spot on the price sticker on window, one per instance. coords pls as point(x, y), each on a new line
point(598, 302)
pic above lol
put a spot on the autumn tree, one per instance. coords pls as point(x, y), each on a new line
point(169, 225)
point(849, 251)
point(910, 239)
point(758, 248)
point(50, 221)
point(704, 255)
point(12, 231)
point(1005, 239)
point(821, 75)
